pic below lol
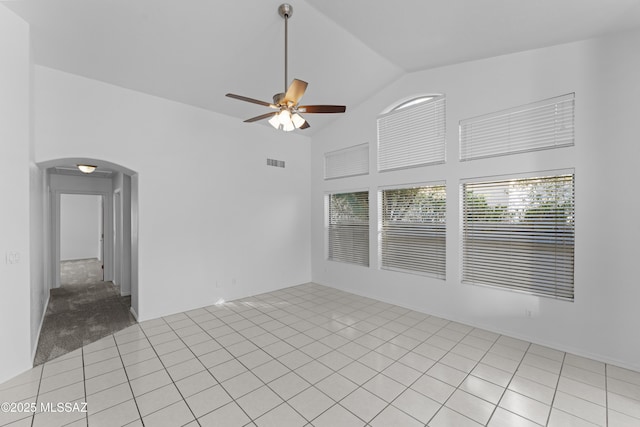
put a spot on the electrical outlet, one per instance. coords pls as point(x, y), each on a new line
point(527, 312)
point(233, 281)
point(12, 257)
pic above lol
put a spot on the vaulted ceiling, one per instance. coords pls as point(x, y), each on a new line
point(195, 51)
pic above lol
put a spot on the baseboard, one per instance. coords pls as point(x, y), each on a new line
point(35, 346)
point(134, 313)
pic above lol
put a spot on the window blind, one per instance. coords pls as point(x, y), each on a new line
point(412, 136)
point(541, 125)
point(348, 227)
point(519, 234)
point(413, 230)
point(347, 162)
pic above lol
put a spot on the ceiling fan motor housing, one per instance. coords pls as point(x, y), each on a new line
point(278, 98)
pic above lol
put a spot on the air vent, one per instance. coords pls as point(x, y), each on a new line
point(275, 163)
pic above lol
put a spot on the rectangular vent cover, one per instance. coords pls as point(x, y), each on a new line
point(275, 163)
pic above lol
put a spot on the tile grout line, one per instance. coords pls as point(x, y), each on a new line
point(239, 331)
point(606, 394)
point(506, 388)
point(466, 376)
point(390, 403)
point(172, 381)
point(237, 359)
point(33, 416)
point(424, 373)
point(555, 390)
point(251, 370)
point(358, 386)
point(84, 385)
point(439, 360)
point(335, 402)
point(276, 358)
point(206, 368)
point(124, 368)
point(606, 405)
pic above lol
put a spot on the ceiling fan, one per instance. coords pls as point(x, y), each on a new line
point(286, 114)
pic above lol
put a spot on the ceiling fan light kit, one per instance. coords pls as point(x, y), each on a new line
point(287, 116)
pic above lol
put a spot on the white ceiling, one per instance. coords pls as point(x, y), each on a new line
point(195, 51)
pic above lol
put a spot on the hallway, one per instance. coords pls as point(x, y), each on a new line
point(82, 310)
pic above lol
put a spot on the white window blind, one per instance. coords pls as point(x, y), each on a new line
point(413, 230)
point(347, 162)
point(519, 234)
point(541, 125)
point(348, 227)
point(412, 136)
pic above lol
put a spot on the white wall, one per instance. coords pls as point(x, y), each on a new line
point(39, 244)
point(80, 226)
point(15, 75)
point(603, 321)
point(213, 221)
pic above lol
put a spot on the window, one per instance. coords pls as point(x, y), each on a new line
point(519, 234)
point(412, 134)
point(349, 161)
point(412, 230)
point(348, 227)
point(541, 125)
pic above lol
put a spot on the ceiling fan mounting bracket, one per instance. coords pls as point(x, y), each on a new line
point(285, 10)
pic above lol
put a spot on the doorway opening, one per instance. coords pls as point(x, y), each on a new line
point(91, 260)
point(81, 239)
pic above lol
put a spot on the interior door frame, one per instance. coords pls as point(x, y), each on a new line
point(117, 238)
point(107, 229)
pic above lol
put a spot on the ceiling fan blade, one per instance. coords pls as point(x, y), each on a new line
point(305, 125)
point(322, 109)
point(261, 117)
point(295, 91)
point(253, 101)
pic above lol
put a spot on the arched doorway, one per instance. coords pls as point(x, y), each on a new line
point(116, 186)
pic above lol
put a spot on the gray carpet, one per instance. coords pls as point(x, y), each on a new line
point(82, 310)
point(81, 271)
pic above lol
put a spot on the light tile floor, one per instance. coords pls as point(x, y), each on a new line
point(315, 356)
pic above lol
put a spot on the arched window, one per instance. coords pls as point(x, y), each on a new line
point(413, 101)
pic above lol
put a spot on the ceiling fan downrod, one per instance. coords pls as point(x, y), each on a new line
point(286, 10)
